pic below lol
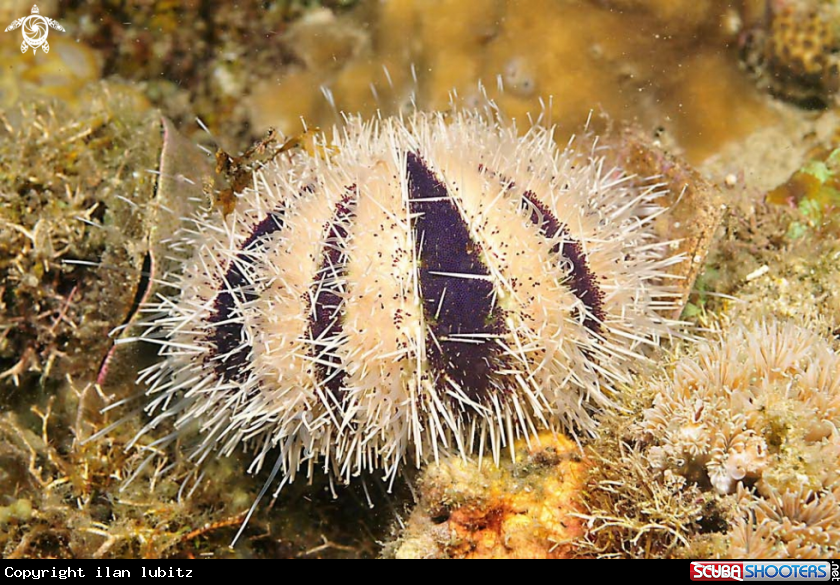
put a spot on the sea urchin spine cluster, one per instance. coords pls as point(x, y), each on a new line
point(436, 284)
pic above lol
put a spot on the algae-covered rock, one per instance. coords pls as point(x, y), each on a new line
point(90, 200)
point(75, 189)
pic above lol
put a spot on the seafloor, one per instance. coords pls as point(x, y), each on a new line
point(726, 446)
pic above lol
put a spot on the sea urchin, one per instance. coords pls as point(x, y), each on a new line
point(436, 284)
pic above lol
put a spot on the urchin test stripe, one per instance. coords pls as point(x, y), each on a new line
point(583, 282)
point(326, 326)
point(458, 295)
point(229, 355)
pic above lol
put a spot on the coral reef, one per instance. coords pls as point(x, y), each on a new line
point(193, 57)
point(775, 252)
point(794, 55)
point(62, 74)
point(12, 9)
point(525, 508)
point(815, 191)
point(760, 485)
point(747, 169)
point(245, 68)
point(771, 262)
point(796, 524)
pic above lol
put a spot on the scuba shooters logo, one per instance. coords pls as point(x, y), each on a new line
point(765, 571)
point(717, 571)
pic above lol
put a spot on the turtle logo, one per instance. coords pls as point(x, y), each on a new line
point(35, 30)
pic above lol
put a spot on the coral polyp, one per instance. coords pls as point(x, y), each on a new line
point(428, 285)
point(756, 408)
point(750, 424)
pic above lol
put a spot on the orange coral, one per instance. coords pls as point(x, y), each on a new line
point(522, 509)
